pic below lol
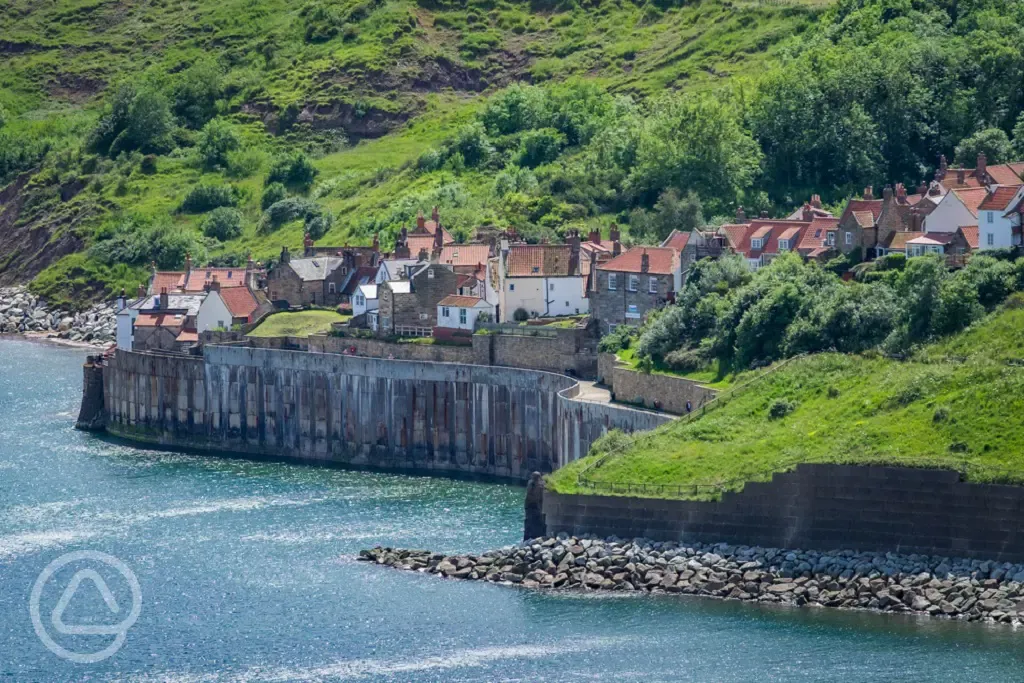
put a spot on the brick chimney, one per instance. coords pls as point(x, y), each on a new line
point(421, 222)
point(423, 255)
point(574, 251)
point(741, 215)
point(901, 193)
point(940, 172)
point(165, 300)
point(594, 237)
point(188, 264)
point(307, 244)
point(141, 291)
point(922, 189)
point(613, 233)
point(285, 256)
point(438, 239)
point(645, 262)
point(887, 192)
point(982, 164)
point(122, 302)
point(808, 212)
point(214, 284)
point(435, 216)
point(961, 175)
point(816, 201)
point(593, 272)
point(869, 192)
point(402, 245)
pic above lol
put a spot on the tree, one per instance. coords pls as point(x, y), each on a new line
point(472, 143)
point(216, 140)
point(919, 286)
point(203, 197)
point(3, 116)
point(517, 108)
point(223, 223)
point(196, 93)
point(133, 120)
point(540, 146)
point(993, 142)
point(294, 170)
point(272, 193)
point(1017, 150)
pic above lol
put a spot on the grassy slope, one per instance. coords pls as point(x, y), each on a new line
point(929, 410)
point(297, 324)
point(426, 64)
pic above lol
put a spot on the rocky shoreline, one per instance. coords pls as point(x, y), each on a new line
point(971, 590)
point(22, 312)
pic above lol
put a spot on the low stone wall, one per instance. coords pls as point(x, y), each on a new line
point(552, 350)
point(389, 414)
point(377, 348)
point(821, 506)
point(660, 392)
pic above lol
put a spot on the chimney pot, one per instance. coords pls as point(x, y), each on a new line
point(982, 163)
point(141, 291)
point(613, 233)
point(741, 215)
point(869, 192)
point(165, 300)
point(595, 237)
point(816, 201)
point(421, 222)
point(887, 192)
point(645, 262)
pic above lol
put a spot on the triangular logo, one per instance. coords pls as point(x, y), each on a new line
point(58, 612)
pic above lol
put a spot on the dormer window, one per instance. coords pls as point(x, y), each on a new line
point(783, 245)
point(831, 240)
point(756, 243)
point(535, 269)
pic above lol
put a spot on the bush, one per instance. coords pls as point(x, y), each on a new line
point(223, 223)
point(272, 194)
point(780, 408)
point(686, 360)
point(202, 198)
point(133, 120)
point(521, 315)
point(294, 170)
point(196, 92)
point(617, 340)
point(540, 147)
point(148, 164)
point(243, 163)
point(137, 241)
point(216, 141)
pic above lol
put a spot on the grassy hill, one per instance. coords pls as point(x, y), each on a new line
point(364, 87)
point(958, 404)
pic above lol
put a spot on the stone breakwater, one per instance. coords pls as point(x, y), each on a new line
point(21, 312)
point(971, 590)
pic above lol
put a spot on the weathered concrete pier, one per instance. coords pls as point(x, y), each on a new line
point(370, 412)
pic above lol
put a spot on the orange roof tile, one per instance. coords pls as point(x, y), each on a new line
point(1004, 174)
point(458, 301)
point(172, 280)
point(240, 301)
point(677, 240)
point(538, 260)
point(199, 278)
point(898, 240)
point(159, 320)
point(971, 198)
point(1000, 198)
point(465, 254)
point(971, 235)
point(661, 261)
point(187, 336)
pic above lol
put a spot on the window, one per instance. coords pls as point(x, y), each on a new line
point(535, 269)
point(991, 238)
point(445, 312)
point(612, 284)
point(331, 287)
point(462, 316)
point(551, 287)
point(360, 301)
point(849, 238)
point(830, 239)
point(652, 285)
point(783, 245)
point(430, 274)
point(756, 243)
point(634, 282)
point(991, 216)
point(511, 288)
point(220, 323)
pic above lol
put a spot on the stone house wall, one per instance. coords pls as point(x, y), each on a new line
point(610, 307)
point(284, 284)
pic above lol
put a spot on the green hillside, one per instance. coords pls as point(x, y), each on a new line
point(954, 404)
point(123, 125)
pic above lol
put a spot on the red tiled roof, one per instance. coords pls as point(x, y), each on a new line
point(815, 237)
point(661, 261)
point(734, 233)
point(766, 230)
point(187, 336)
point(873, 206)
point(159, 320)
point(971, 198)
point(1005, 174)
point(971, 235)
point(172, 280)
point(898, 240)
point(458, 301)
point(677, 240)
point(538, 260)
point(465, 254)
point(240, 301)
point(599, 247)
point(999, 199)
point(865, 219)
point(199, 278)
point(951, 181)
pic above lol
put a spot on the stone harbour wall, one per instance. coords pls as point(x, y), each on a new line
point(869, 508)
point(388, 414)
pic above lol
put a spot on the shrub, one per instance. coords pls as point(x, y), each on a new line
point(686, 360)
point(223, 223)
point(148, 164)
point(272, 194)
point(941, 414)
point(196, 92)
point(294, 170)
point(521, 315)
point(617, 340)
point(137, 241)
point(133, 120)
point(540, 147)
point(216, 141)
point(243, 163)
point(431, 160)
point(202, 198)
point(780, 408)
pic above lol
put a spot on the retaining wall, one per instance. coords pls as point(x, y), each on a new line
point(823, 507)
point(405, 415)
point(670, 393)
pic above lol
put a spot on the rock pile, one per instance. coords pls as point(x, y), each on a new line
point(22, 312)
point(973, 590)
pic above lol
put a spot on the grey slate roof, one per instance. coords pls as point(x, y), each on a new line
point(314, 269)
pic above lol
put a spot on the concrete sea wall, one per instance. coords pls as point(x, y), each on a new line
point(881, 509)
point(323, 407)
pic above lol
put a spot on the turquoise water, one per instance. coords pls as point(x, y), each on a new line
point(246, 573)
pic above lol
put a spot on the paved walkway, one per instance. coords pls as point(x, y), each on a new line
point(589, 391)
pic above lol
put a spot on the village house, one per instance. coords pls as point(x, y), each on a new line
point(193, 280)
point(762, 239)
point(539, 280)
point(958, 207)
point(458, 314)
point(163, 321)
point(634, 283)
point(427, 236)
point(409, 307)
point(242, 305)
point(857, 228)
point(321, 278)
point(999, 217)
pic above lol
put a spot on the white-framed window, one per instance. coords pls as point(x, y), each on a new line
point(756, 243)
point(634, 283)
point(360, 301)
point(462, 316)
point(424, 316)
point(652, 285)
point(220, 323)
point(991, 216)
point(445, 312)
point(783, 245)
point(612, 282)
point(990, 238)
point(849, 238)
point(331, 287)
point(430, 274)
point(830, 239)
